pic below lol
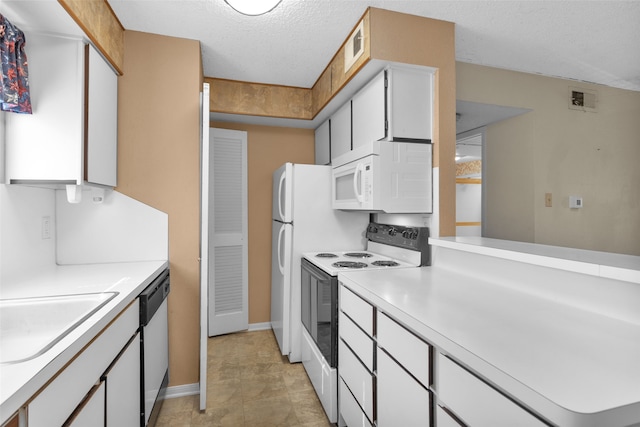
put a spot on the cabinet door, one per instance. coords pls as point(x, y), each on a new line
point(341, 131)
point(123, 387)
point(323, 143)
point(91, 410)
point(401, 400)
point(102, 120)
point(410, 104)
point(47, 145)
point(369, 112)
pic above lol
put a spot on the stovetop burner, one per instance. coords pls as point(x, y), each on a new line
point(326, 255)
point(349, 264)
point(385, 263)
point(358, 255)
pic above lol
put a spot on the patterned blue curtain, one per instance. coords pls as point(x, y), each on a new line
point(14, 87)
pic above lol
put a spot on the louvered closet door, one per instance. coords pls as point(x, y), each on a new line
point(228, 271)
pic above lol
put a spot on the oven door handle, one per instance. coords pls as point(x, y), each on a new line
point(280, 235)
point(358, 189)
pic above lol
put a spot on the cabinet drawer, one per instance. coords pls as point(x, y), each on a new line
point(475, 402)
point(58, 400)
point(349, 409)
point(409, 350)
point(360, 343)
point(356, 377)
point(360, 311)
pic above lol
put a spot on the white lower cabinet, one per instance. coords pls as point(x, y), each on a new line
point(443, 419)
point(91, 411)
point(357, 378)
point(60, 399)
point(350, 411)
point(475, 402)
point(402, 401)
point(384, 370)
point(123, 387)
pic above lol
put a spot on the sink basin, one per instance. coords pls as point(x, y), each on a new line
point(31, 326)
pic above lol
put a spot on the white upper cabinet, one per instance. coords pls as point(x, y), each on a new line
point(102, 121)
point(409, 104)
point(396, 105)
point(71, 137)
point(369, 118)
point(341, 131)
point(323, 143)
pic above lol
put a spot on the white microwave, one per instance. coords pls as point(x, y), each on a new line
point(383, 176)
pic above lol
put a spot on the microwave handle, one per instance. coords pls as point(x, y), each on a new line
point(358, 173)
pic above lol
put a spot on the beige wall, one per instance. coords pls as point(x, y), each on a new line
point(433, 45)
point(267, 149)
point(158, 164)
point(554, 149)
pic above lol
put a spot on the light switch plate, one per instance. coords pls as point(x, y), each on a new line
point(575, 202)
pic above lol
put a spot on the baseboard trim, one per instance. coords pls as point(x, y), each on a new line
point(259, 326)
point(182, 390)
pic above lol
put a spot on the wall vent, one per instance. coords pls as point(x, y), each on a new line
point(354, 48)
point(582, 99)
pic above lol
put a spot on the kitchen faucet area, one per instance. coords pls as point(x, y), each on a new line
point(346, 213)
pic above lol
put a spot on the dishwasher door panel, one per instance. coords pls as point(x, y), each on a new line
point(156, 356)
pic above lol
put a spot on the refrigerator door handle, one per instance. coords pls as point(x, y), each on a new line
point(280, 234)
point(280, 186)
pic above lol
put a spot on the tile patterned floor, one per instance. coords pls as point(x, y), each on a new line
point(249, 384)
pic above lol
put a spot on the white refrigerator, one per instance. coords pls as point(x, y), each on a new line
point(303, 221)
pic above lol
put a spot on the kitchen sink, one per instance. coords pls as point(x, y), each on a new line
point(31, 326)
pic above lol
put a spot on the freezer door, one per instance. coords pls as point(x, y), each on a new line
point(281, 241)
point(282, 193)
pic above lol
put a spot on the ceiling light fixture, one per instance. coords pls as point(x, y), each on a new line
point(253, 7)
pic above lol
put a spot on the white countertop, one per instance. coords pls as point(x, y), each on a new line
point(595, 263)
point(561, 361)
point(20, 381)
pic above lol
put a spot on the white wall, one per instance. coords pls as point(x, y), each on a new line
point(120, 229)
point(22, 248)
point(468, 208)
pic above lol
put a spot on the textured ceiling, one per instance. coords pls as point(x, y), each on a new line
point(594, 41)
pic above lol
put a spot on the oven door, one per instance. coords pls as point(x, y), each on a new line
point(319, 295)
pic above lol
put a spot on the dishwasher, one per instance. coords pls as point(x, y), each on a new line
point(154, 348)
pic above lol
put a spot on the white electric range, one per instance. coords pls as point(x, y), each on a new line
point(388, 247)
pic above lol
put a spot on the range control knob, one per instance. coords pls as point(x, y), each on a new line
point(410, 233)
point(392, 231)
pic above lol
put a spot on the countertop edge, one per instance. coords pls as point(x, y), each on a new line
point(79, 338)
point(492, 374)
point(568, 259)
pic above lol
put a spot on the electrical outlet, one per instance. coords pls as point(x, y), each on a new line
point(46, 227)
point(547, 200)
